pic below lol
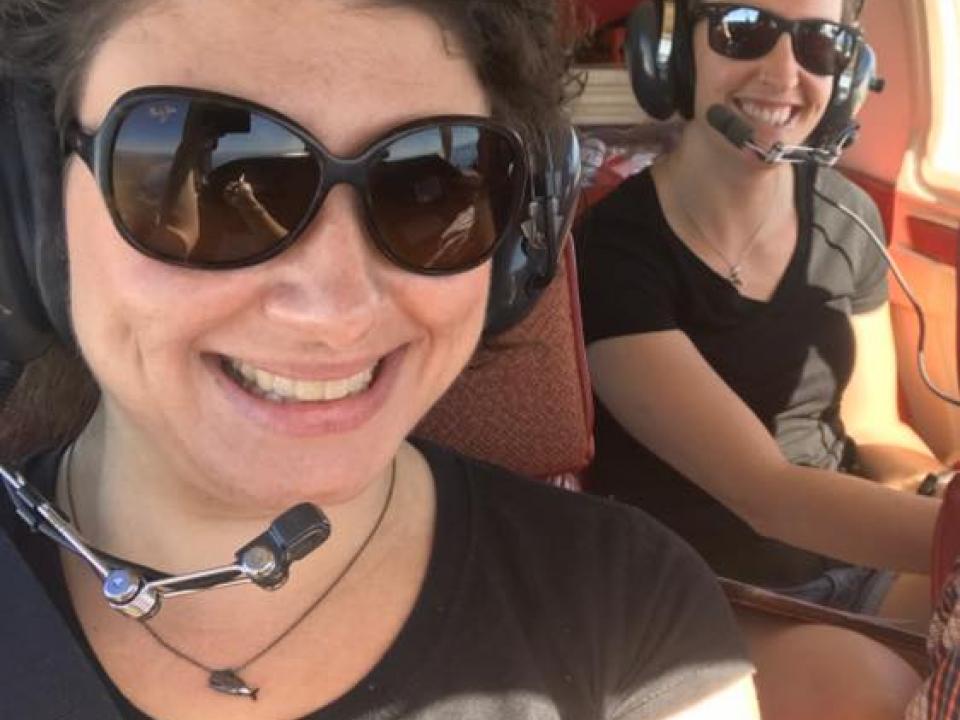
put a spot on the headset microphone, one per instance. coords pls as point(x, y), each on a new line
point(137, 591)
point(739, 132)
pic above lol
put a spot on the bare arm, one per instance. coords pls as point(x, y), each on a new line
point(890, 451)
point(662, 391)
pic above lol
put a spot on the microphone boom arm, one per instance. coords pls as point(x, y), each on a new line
point(740, 134)
point(137, 591)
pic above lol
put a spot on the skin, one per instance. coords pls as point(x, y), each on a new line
point(173, 470)
point(326, 308)
point(735, 458)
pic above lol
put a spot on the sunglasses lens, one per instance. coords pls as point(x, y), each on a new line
point(823, 48)
point(743, 33)
point(441, 197)
point(209, 184)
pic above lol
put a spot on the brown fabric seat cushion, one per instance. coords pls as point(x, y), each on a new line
point(524, 401)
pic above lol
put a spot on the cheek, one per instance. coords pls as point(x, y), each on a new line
point(823, 87)
point(451, 310)
point(120, 299)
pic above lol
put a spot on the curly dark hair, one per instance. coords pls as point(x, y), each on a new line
point(521, 50)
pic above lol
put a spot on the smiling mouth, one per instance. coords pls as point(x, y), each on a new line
point(779, 117)
point(277, 388)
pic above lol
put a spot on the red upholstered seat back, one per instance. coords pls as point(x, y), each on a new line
point(524, 401)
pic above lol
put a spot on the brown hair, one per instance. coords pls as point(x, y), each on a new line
point(521, 50)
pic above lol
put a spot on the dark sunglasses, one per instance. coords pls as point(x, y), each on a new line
point(204, 180)
point(742, 32)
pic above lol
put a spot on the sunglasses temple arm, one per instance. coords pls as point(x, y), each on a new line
point(136, 590)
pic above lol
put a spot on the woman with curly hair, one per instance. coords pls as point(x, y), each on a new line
point(261, 334)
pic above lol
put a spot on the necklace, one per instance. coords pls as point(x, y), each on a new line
point(228, 680)
point(734, 269)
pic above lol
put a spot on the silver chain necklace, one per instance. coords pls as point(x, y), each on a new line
point(734, 272)
point(228, 680)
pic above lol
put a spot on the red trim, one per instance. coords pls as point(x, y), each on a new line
point(933, 240)
point(576, 318)
point(604, 11)
point(946, 541)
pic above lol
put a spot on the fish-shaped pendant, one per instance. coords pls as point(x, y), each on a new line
point(229, 683)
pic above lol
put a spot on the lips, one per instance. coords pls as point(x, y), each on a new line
point(353, 393)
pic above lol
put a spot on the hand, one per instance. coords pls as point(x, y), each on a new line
point(239, 194)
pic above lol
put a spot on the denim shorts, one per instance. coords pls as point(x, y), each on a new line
point(852, 588)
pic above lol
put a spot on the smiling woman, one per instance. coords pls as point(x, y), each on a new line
point(751, 280)
point(278, 227)
point(742, 277)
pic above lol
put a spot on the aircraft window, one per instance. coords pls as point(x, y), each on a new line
point(942, 166)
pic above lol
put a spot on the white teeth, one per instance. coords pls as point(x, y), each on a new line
point(775, 117)
point(284, 389)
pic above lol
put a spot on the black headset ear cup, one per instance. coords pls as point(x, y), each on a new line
point(850, 90)
point(684, 68)
point(527, 258)
point(29, 210)
point(657, 51)
point(650, 77)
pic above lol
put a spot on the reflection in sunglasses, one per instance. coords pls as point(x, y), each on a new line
point(743, 32)
point(471, 223)
point(177, 225)
point(210, 181)
point(240, 195)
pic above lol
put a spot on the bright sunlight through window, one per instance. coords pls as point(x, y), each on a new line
point(942, 166)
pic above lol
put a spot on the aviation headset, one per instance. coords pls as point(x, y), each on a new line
point(33, 261)
point(659, 54)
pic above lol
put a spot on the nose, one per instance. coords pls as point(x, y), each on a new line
point(328, 286)
point(780, 67)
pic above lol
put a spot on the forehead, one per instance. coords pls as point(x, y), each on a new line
point(796, 9)
point(346, 70)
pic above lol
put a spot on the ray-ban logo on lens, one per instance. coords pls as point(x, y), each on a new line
point(162, 112)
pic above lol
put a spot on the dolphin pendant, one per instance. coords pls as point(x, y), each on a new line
point(229, 683)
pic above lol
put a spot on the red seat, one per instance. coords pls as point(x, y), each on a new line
point(946, 543)
point(524, 402)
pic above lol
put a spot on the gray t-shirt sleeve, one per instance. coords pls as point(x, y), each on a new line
point(869, 267)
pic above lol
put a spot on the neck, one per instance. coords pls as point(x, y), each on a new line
point(736, 193)
point(133, 504)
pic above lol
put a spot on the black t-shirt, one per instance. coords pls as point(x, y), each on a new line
point(537, 603)
point(789, 359)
